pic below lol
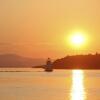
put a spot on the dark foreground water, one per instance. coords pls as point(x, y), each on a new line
point(35, 84)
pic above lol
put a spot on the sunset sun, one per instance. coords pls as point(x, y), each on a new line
point(77, 39)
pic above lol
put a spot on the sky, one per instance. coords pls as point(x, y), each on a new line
point(39, 28)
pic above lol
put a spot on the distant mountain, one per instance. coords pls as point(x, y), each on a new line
point(78, 62)
point(13, 60)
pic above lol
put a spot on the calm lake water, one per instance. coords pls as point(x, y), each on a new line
point(35, 84)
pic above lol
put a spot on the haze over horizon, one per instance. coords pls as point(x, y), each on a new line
point(38, 28)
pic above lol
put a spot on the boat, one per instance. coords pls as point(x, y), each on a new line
point(48, 67)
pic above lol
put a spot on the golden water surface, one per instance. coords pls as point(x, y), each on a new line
point(35, 84)
point(78, 89)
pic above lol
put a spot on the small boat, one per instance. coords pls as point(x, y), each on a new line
point(48, 67)
point(48, 70)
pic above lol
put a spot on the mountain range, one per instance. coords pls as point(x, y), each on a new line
point(13, 60)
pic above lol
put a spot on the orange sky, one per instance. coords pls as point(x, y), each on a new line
point(37, 28)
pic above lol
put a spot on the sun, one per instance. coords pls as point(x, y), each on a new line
point(77, 39)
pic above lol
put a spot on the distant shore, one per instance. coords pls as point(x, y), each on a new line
point(78, 62)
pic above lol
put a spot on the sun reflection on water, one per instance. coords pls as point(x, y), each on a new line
point(78, 90)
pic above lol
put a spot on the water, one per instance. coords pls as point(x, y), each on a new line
point(35, 84)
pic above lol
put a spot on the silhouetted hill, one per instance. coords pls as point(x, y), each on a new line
point(78, 62)
point(13, 60)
